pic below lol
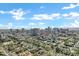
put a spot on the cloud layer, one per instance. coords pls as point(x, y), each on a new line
point(17, 14)
point(71, 6)
point(45, 16)
point(6, 26)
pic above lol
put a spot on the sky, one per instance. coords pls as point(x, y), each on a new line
point(39, 15)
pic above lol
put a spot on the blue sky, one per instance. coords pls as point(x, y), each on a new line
point(39, 15)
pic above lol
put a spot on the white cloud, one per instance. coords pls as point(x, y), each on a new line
point(71, 15)
point(75, 24)
point(65, 26)
point(17, 14)
point(54, 16)
point(36, 24)
point(71, 6)
point(6, 26)
point(65, 15)
point(45, 16)
point(74, 14)
point(41, 17)
point(31, 24)
point(41, 7)
point(9, 25)
point(41, 23)
point(20, 27)
point(2, 12)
